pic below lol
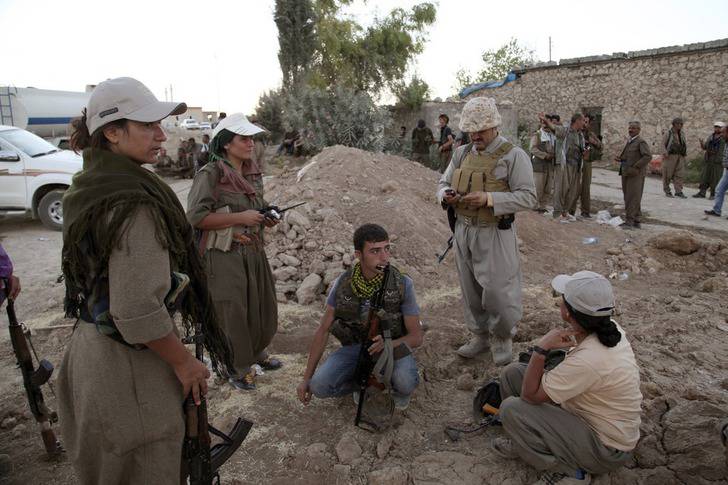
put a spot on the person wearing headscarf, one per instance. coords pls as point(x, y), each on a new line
point(126, 372)
point(224, 205)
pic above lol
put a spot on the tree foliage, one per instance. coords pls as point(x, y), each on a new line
point(367, 59)
point(269, 111)
point(497, 63)
point(411, 96)
point(340, 116)
point(296, 24)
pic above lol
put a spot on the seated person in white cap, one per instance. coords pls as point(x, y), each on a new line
point(583, 416)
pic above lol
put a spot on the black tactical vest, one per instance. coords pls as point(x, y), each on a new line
point(350, 326)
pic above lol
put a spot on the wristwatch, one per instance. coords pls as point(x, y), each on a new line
point(539, 350)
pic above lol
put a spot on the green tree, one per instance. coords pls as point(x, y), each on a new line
point(269, 111)
point(296, 24)
point(497, 63)
point(411, 96)
point(367, 59)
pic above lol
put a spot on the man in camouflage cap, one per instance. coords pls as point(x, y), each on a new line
point(486, 182)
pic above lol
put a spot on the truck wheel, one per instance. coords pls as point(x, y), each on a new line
point(50, 210)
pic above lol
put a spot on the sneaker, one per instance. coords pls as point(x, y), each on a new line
point(478, 344)
point(680, 195)
point(668, 194)
point(572, 218)
point(503, 447)
point(564, 220)
point(711, 212)
point(245, 383)
point(554, 478)
point(502, 351)
point(586, 215)
point(699, 195)
point(270, 363)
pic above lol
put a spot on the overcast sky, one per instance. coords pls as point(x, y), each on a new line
point(222, 54)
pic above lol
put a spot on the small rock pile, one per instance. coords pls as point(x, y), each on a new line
point(673, 248)
point(344, 188)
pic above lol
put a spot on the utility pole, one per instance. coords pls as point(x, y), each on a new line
point(549, 48)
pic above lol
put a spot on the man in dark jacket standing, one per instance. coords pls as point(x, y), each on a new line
point(633, 163)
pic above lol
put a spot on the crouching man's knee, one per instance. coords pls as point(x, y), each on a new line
point(406, 378)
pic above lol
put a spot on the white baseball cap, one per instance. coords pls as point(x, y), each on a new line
point(719, 124)
point(237, 123)
point(587, 292)
point(126, 98)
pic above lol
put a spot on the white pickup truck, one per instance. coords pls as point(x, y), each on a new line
point(34, 174)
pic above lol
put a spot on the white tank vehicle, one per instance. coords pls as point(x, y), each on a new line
point(44, 112)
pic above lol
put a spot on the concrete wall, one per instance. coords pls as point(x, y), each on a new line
point(430, 112)
point(651, 86)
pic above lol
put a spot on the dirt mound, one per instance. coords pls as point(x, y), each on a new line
point(344, 188)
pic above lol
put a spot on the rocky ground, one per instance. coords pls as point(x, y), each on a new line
point(671, 286)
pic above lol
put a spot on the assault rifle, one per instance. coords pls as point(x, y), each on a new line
point(200, 462)
point(276, 213)
point(451, 218)
point(33, 378)
point(365, 363)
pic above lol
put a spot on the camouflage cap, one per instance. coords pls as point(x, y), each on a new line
point(479, 114)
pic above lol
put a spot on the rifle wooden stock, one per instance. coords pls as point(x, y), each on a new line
point(199, 462)
point(33, 378)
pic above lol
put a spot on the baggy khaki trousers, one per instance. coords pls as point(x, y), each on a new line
point(490, 278)
point(544, 182)
point(549, 438)
point(672, 171)
point(584, 195)
point(632, 188)
point(568, 186)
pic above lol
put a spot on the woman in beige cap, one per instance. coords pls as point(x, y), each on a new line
point(126, 373)
point(224, 205)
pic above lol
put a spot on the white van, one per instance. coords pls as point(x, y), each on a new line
point(34, 174)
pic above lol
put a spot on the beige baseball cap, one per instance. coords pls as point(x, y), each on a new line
point(126, 98)
point(588, 292)
point(479, 114)
point(237, 123)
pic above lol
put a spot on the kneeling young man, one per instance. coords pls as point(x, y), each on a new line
point(347, 309)
point(597, 386)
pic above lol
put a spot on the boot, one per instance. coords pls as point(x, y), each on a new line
point(680, 195)
point(699, 195)
point(502, 351)
point(479, 343)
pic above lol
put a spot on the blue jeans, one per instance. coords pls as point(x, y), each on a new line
point(720, 192)
point(335, 377)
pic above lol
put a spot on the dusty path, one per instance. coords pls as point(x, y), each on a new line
point(607, 186)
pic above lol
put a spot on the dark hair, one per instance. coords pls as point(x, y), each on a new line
point(373, 233)
point(81, 138)
point(447, 118)
point(217, 147)
point(576, 117)
point(604, 327)
point(402, 127)
point(421, 124)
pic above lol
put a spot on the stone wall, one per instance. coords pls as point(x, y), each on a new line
point(430, 112)
point(651, 86)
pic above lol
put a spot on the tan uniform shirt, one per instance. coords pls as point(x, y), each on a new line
point(601, 385)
